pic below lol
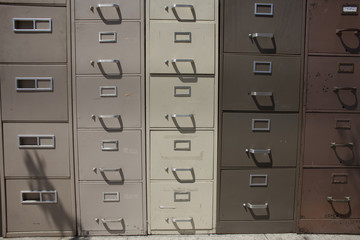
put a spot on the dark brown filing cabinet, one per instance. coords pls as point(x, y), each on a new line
point(37, 172)
point(330, 167)
point(109, 107)
point(261, 62)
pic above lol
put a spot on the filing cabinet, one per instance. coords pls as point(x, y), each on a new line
point(181, 107)
point(330, 160)
point(261, 73)
point(37, 182)
point(109, 102)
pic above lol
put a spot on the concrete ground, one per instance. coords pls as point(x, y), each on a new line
point(213, 237)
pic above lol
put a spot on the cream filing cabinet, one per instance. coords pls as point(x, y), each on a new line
point(109, 107)
point(181, 107)
point(37, 172)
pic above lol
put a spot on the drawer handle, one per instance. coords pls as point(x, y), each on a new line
point(257, 13)
point(103, 170)
point(103, 220)
point(113, 40)
point(31, 84)
point(261, 35)
point(256, 206)
point(174, 6)
point(182, 115)
point(176, 220)
point(256, 63)
point(167, 207)
point(175, 60)
point(114, 148)
point(100, 61)
point(20, 24)
point(107, 5)
point(40, 197)
point(340, 31)
point(108, 116)
point(261, 94)
point(345, 200)
point(35, 141)
point(258, 151)
point(182, 169)
point(334, 144)
point(337, 89)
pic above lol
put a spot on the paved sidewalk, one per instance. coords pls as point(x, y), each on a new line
point(205, 237)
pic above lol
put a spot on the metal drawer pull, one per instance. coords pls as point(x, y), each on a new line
point(263, 35)
point(115, 144)
point(337, 89)
point(107, 61)
point(108, 116)
point(113, 40)
point(261, 94)
point(176, 220)
point(256, 206)
point(31, 84)
point(257, 13)
point(334, 144)
point(258, 151)
point(36, 141)
point(185, 145)
point(40, 197)
point(103, 220)
point(116, 196)
point(263, 176)
point(182, 169)
point(31, 24)
point(331, 199)
point(182, 91)
point(167, 207)
point(102, 94)
point(182, 60)
point(182, 115)
point(256, 63)
point(174, 6)
point(179, 37)
point(266, 121)
point(109, 170)
point(107, 5)
point(355, 30)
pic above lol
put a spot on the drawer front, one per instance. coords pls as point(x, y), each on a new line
point(42, 2)
point(333, 26)
point(190, 48)
point(182, 102)
point(261, 83)
point(257, 195)
point(276, 26)
point(113, 209)
point(332, 139)
point(39, 205)
point(34, 93)
point(334, 196)
point(36, 150)
point(333, 83)
point(110, 11)
point(110, 156)
point(32, 34)
point(115, 49)
point(110, 104)
point(187, 10)
point(262, 140)
point(175, 206)
point(185, 157)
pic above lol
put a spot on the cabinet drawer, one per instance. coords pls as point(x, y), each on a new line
point(39, 205)
point(111, 104)
point(175, 206)
point(110, 11)
point(33, 34)
point(257, 195)
point(111, 209)
point(107, 49)
point(37, 2)
point(36, 150)
point(110, 156)
point(263, 140)
point(34, 93)
point(276, 26)
point(182, 102)
point(185, 10)
point(185, 157)
point(333, 26)
point(333, 83)
point(182, 48)
point(330, 194)
point(332, 139)
point(261, 83)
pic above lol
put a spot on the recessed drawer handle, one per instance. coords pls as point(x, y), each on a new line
point(182, 115)
point(40, 197)
point(345, 200)
point(31, 24)
point(182, 169)
point(31, 84)
point(109, 170)
point(258, 151)
point(36, 141)
point(261, 94)
point(337, 89)
point(261, 35)
point(113, 40)
point(100, 61)
point(256, 206)
point(257, 13)
point(103, 220)
point(334, 145)
point(174, 6)
point(355, 30)
point(176, 220)
point(107, 5)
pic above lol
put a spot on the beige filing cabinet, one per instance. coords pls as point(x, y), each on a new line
point(181, 107)
point(37, 184)
point(109, 106)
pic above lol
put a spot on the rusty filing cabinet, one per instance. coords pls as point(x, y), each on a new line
point(181, 107)
point(108, 47)
point(330, 159)
point(37, 175)
point(261, 79)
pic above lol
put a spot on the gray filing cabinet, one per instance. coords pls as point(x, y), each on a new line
point(37, 166)
point(109, 85)
point(181, 107)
